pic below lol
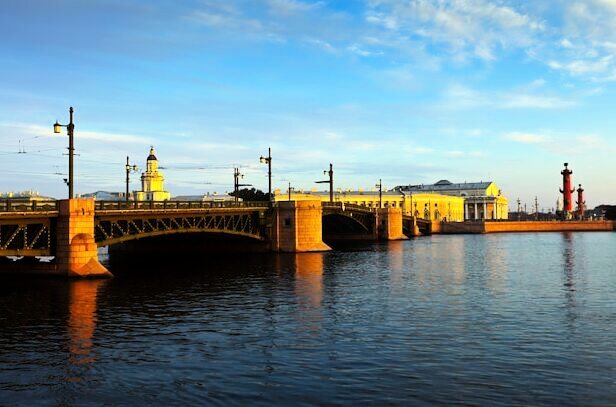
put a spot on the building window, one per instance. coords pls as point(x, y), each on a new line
point(287, 221)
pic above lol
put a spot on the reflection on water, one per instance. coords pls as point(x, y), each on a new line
point(439, 320)
point(570, 270)
point(82, 317)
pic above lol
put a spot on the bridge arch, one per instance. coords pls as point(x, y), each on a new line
point(127, 238)
point(110, 230)
point(344, 223)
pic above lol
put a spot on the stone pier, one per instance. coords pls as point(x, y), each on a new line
point(390, 224)
point(76, 251)
point(298, 227)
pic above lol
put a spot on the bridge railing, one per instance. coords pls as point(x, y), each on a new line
point(132, 205)
point(10, 205)
point(346, 206)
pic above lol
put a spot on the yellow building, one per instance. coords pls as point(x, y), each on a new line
point(423, 205)
point(482, 200)
point(152, 180)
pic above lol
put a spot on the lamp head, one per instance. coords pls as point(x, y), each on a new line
point(57, 127)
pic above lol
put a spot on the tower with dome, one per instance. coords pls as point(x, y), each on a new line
point(152, 181)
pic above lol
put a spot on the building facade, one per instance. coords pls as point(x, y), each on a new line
point(425, 205)
point(482, 200)
point(152, 182)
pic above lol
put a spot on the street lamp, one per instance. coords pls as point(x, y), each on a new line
point(70, 127)
point(380, 187)
point(129, 168)
point(330, 181)
point(268, 160)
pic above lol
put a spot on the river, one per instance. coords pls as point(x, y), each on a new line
point(507, 319)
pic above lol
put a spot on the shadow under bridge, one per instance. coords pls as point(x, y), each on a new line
point(347, 222)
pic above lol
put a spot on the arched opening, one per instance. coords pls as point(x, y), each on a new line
point(182, 247)
point(342, 228)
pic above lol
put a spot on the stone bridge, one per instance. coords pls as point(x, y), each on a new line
point(72, 230)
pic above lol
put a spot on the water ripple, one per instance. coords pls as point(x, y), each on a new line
point(465, 320)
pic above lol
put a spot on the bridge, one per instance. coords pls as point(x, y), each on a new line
point(71, 230)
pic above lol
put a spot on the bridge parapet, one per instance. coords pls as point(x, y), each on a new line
point(170, 205)
point(11, 205)
point(341, 206)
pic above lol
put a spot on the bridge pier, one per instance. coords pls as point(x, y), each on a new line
point(389, 225)
point(298, 227)
point(76, 250)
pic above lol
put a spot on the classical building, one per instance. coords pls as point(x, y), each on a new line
point(482, 200)
point(152, 180)
point(207, 197)
point(425, 205)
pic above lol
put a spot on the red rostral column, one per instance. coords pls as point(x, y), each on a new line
point(581, 204)
point(567, 191)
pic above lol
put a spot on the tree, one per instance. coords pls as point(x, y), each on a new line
point(251, 194)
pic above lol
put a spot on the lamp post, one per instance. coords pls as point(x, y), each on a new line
point(268, 160)
point(380, 187)
point(330, 181)
point(129, 168)
point(289, 191)
point(70, 127)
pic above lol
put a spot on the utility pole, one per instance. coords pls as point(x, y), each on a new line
point(236, 183)
point(380, 187)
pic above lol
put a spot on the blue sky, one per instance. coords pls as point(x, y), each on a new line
point(408, 91)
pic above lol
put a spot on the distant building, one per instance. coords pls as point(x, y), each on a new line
point(152, 180)
point(423, 205)
point(105, 196)
point(24, 200)
point(205, 198)
point(25, 196)
point(482, 200)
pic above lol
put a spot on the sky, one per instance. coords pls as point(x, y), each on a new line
point(407, 91)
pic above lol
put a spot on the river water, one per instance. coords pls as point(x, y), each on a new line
point(509, 319)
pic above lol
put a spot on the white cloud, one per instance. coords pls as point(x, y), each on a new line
point(477, 28)
point(526, 101)
point(356, 49)
point(462, 97)
point(583, 67)
point(464, 154)
point(527, 138)
point(293, 6)
point(324, 45)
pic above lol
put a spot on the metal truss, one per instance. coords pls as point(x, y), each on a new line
point(25, 237)
point(361, 214)
point(116, 228)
